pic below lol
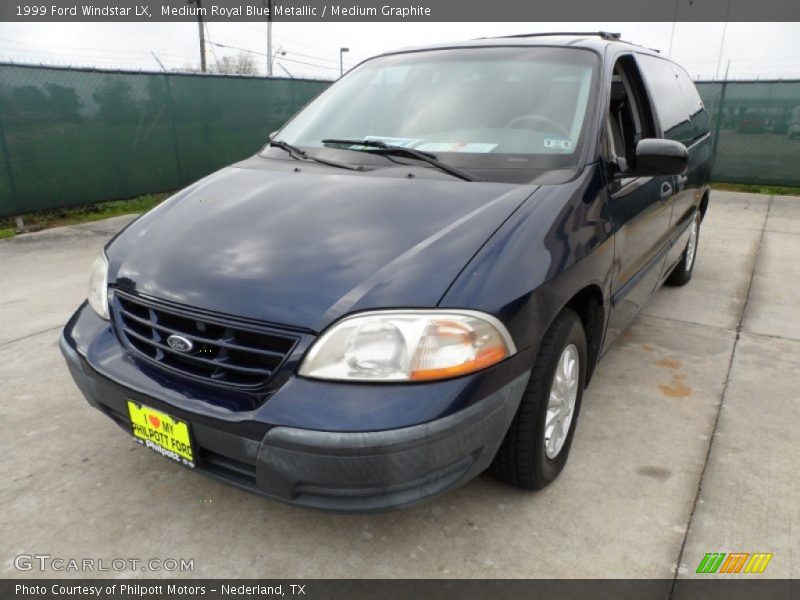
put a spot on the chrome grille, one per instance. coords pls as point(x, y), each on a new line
point(224, 351)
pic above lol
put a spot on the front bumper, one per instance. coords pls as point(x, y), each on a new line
point(344, 471)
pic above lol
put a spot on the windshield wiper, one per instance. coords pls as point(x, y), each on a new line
point(383, 148)
point(299, 154)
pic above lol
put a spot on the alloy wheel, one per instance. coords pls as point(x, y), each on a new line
point(561, 403)
point(691, 245)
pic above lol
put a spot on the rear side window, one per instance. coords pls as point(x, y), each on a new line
point(676, 100)
point(694, 104)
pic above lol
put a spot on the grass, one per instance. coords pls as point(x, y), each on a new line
point(81, 214)
point(756, 188)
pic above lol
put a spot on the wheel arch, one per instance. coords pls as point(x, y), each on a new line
point(704, 204)
point(589, 306)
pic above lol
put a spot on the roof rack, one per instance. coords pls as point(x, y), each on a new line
point(606, 35)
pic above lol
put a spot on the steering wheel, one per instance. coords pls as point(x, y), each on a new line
point(542, 119)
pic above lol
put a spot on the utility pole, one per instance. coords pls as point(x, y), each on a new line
point(201, 33)
point(268, 4)
point(674, 22)
point(341, 60)
point(724, 32)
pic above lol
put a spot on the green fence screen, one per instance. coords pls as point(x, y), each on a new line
point(70, 136)
point(756, 129)
point(80, 136)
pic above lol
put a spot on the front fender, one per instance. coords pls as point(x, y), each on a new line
point(557, 243)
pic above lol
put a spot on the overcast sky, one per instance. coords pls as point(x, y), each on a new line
point(763, 50)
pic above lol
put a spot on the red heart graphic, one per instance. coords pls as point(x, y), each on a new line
point(154, 420)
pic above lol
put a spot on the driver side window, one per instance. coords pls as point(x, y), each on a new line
point(629, 117)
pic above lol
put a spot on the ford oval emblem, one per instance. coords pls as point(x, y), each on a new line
point(180, 343)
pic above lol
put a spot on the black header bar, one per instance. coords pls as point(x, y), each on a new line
point(401, 10)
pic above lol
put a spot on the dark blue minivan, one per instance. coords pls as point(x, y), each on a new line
point(412, 282)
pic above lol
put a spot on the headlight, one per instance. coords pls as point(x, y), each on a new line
point(98, 286)
point(412, 345)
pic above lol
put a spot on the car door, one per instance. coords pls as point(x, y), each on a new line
point(682, 118)
point(640, 207)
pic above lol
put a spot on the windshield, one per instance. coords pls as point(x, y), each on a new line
point(492, 108)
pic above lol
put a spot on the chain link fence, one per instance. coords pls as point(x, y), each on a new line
point(70, 136)
point(77, 136)
point(756, 130)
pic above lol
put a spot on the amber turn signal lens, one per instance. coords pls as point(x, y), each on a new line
point(485, 358)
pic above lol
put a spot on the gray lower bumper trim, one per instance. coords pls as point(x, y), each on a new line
point(386, 469)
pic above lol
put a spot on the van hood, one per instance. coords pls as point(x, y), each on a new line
point(303, 248)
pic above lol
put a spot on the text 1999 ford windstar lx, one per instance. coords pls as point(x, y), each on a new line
point(412, 282)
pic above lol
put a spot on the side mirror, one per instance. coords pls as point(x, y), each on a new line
point(656, 156)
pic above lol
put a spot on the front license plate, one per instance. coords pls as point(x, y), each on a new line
point(162, 433)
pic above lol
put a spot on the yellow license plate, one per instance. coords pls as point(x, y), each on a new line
point(162, 433)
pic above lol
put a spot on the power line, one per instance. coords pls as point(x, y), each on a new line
point(301, 62)
point(32, 54)
point(305, 45)
point(213, 52)
point(315, 57)
point(104, 51)
point(83, 64)
point(27, 43)
point(333, 62)
point(288, 40)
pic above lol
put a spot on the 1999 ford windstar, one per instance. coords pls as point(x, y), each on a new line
point(412, 282)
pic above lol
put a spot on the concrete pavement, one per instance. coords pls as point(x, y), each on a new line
point(686, 444)
point(749, 500)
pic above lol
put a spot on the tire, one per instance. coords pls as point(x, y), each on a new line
point(682, 272)
point(522, 459)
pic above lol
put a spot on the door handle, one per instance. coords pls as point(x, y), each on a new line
point(666, 190)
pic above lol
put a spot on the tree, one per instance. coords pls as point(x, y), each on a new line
point(240, 64)
point(31, 101)
point(64, 102)
point(115, 100)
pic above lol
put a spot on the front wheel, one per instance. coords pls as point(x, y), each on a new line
point(537, 444)
point(682, 272)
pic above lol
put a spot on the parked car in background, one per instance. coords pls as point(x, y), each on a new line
point(413, 281)
point(751, 123)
